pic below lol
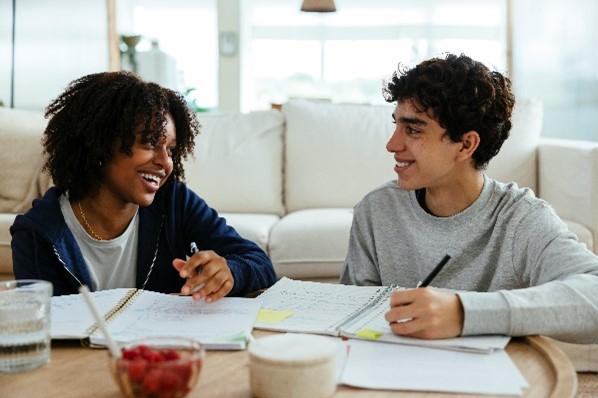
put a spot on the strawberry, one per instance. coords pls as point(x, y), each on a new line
point(130, 354)
point(136, 369)
point(151, 381)
point(169, 381)
point(184, 371)
point(170, 355)
point(152, 356)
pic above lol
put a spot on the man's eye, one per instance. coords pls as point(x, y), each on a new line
point(411, 130)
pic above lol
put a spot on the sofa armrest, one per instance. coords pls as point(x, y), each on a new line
point(568, 180)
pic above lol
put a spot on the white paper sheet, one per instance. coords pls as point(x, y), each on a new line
point(398, 367)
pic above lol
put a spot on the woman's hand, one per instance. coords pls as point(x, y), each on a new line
point(425, 313)
point(208, 276)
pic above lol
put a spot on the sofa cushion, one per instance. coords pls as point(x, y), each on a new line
point(20, 140)
point(254, 227)
point(335, 154)
point(311, 243)
point(237, 164)
point(584, 235)
point(6, 220)
point(517, 159)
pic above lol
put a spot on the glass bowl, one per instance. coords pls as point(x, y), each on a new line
point(158, 367)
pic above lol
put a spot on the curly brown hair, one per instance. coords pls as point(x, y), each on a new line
point(101, 110)
point(462, 95)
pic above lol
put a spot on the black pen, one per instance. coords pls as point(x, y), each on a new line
point(434, 272)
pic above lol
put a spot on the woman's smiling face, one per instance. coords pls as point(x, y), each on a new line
point(136, 178)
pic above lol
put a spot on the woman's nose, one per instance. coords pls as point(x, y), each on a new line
point(162, 155)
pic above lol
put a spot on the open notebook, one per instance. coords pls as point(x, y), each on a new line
point(135, 313)
point(351, 311)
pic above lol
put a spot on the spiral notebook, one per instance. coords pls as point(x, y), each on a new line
point(350, 311)
point(134, 313)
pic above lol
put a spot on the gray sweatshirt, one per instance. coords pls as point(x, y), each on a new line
point(517, 268)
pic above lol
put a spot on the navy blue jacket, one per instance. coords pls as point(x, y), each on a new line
point(43, 247)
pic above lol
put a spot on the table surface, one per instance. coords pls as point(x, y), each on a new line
point(75, 371)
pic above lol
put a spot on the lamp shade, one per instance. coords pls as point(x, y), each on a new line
point(318, 6)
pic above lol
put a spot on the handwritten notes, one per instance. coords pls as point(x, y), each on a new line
point(315, 307)
point(132, 314)
point(217, 325)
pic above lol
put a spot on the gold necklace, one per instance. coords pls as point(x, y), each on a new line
point(89, 228)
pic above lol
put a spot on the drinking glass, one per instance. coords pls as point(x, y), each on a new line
point(24, 324)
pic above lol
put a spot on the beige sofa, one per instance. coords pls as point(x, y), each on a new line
point(288, 180)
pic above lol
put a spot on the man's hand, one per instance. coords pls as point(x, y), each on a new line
point(208, 276)
point(425, 313)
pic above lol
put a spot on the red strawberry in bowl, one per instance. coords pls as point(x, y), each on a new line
point(160, 367)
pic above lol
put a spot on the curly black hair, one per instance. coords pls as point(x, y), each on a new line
point(103, 111)
point(461, 95)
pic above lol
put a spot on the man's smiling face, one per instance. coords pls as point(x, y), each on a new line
point(423, 152)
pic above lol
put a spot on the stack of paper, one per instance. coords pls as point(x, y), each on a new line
point(399, 367)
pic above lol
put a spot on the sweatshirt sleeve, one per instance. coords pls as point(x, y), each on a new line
point(251, 268)
point(361, 267)
point(561, 300)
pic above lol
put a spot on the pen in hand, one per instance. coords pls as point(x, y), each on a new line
point(194, 250)
point(428, 280)
point(434, 272)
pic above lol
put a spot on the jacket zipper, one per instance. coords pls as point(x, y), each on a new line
point(65, 267)
point(155, 253)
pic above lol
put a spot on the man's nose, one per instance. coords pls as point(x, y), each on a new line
point(396, 142)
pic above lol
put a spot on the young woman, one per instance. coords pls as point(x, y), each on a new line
point(118, 215)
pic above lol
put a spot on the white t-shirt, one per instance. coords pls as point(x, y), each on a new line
point(112, 263)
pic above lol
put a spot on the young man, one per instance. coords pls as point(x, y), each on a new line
point(515, 269)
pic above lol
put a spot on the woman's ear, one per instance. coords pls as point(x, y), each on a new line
point(469, 143)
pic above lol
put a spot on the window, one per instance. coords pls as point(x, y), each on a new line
point(344, 56)
point(555, 60)
point(187, 33)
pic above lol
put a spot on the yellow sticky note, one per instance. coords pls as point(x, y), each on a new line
point(368, 334)
point(273, 316)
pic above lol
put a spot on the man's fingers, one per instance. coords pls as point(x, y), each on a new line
point(403, 297)
point(401, 314)
point(407, 328)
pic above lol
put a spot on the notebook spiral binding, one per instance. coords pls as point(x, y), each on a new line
point(122, 304)
point(383, 294)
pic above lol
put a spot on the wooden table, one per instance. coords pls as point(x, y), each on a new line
point(83, 372)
